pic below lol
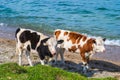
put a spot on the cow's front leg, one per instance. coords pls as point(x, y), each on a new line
point(50, 61)
point(85, 67)
point(85, 62)
point(87, 56)
point(42, 59)
point(42, 62)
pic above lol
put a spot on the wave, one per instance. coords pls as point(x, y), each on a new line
point(102, 8)
point(112, 42)
point(117, 18)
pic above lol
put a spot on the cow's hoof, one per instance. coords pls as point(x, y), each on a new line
point(63, 62)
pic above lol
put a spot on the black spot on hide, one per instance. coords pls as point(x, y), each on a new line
point(28, 36)
point(43, 50)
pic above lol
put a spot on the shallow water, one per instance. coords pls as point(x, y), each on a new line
point(92, 17)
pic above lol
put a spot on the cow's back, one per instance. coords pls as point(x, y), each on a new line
point(73, 41)
point(29, 37)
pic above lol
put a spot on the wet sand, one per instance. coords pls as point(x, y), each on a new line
point(102, 64)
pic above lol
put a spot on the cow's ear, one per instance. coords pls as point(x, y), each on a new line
point(60, 41)
point(94, 41)
point(104, 39)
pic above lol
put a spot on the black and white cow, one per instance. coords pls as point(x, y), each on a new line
point(31, 41)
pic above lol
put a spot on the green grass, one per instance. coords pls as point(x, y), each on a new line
point(12, 71)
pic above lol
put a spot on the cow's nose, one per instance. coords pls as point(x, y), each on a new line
point(104, 51)
point(54, 53)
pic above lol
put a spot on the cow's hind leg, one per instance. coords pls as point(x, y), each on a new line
point(20, 51)
point(62, 55)
point(56, 57)
point(28, 57)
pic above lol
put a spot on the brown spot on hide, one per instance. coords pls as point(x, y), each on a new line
point(78, 40)
point(84, 38)
point(57, 33)
point(73, 48)
point(67, 39)
point(75, 37)
point(65, 33)
point(82, 53)
point(87, 47)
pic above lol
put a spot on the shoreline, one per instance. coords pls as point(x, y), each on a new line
point(7, 32)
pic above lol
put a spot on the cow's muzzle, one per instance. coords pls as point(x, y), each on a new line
point(53, 54)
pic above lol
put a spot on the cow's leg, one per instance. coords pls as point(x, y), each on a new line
point(85, 63)
point(42, 61)
point(61, 52)
point(28, 57)
point(62, 55)
point(17, 51)
point(87, 56)
point(56, 56)
point(20, 51)
point(50, 61)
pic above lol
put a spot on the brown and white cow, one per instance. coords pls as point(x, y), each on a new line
point(31, 41)
point(78, 43)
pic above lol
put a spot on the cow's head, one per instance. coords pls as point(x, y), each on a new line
point(99, 44)
point(52, 43)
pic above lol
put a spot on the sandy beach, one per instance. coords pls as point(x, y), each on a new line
point(102, 64)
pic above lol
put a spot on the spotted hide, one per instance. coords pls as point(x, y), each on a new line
point(31, 41)
point(78, 43)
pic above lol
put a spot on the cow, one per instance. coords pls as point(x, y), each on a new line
point(78, 43)
point(31, 41)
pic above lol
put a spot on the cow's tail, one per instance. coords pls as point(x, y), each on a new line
point(16, 53)
point(17, 30)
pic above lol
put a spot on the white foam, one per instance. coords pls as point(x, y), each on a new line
point(3, 25)
point(112, 42)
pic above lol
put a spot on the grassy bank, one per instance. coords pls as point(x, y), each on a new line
point(12, 71)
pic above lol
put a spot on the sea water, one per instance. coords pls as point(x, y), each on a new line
point(91, 17)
